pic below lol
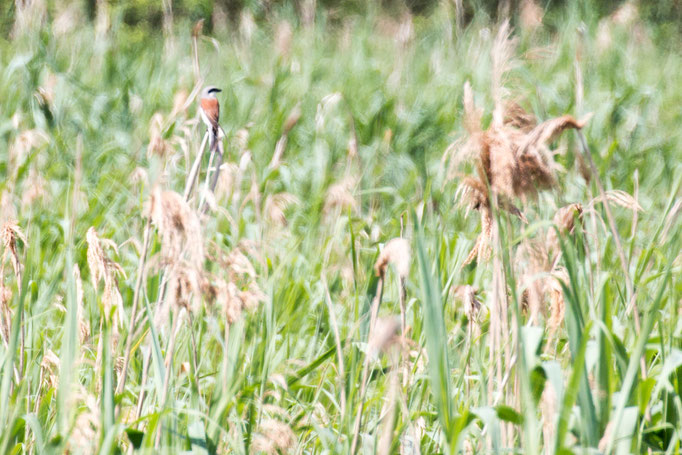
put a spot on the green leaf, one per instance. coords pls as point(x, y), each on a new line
point(439, 370)
point(197, 437)
point(633, 365)
point(509, 414)
point(135, 436)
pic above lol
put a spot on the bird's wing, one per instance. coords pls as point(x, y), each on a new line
point(211, 109)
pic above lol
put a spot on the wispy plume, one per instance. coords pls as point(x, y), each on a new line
point(513, 161)
point(102, 268)
point(273, 436)
point(396, 252)
point(178, 227)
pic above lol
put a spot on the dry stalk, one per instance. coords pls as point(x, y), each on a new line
point(196, 32)
point(635, 213)
point(180, 232)
point(396, 252)
point(10, 233)
point(194, 171)
point(209, 188)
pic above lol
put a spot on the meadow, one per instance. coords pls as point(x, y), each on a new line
point(427, 234)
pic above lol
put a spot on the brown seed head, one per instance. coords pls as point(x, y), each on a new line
point(104, 269)
point(396, 252)
point(50, 367)
point(10, 233)
point(184, 286)
point(178, 227)
point(469, 297)
point(198, 27)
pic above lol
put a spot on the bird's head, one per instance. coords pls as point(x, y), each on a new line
point(210, 91)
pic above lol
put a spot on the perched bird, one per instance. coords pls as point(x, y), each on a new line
point(210, 112)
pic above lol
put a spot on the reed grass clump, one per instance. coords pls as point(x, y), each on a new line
point(315, 283)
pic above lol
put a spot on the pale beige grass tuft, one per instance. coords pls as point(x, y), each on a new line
point(178, 227)
point(272, 437)
point(340, 196)
point(102, 268)
point(276, 205)
point(396, 252)
point(384, 335)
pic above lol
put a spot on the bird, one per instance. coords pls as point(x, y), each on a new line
point(209, 109)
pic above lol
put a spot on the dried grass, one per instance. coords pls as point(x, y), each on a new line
point(549, 408)
point(272, 437)
point(5, 313)
point(396, 252)
point(469, 296)
point(340, 196)
point(184, 286)
point(239, 290)
point(276, 205)
point(102, 268)
point(10, 233)
point(513, 163)
point(84, 437)
point(384, 335)
point(564, 220)
point(530, 15)
point(49, 367)
point(512, 157)
point(178, 226)
point(23, 145)
point(617, 197)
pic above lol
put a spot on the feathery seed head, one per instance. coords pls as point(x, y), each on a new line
point(276, 205)
point(178, 227)
point(396, 252)
point(273, 436)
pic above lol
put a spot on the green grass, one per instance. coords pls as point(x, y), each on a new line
point(280, 361)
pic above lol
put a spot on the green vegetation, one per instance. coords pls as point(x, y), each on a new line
point(269, 312)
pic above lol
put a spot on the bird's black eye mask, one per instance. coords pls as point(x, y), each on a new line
point(214, 90)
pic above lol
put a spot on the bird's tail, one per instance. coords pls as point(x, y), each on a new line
point(213, 140)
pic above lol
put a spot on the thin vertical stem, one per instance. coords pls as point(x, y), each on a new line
point(166, 380)
point(136, 299)
point(365, 368)
point(632, 296)
point(337, 338)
